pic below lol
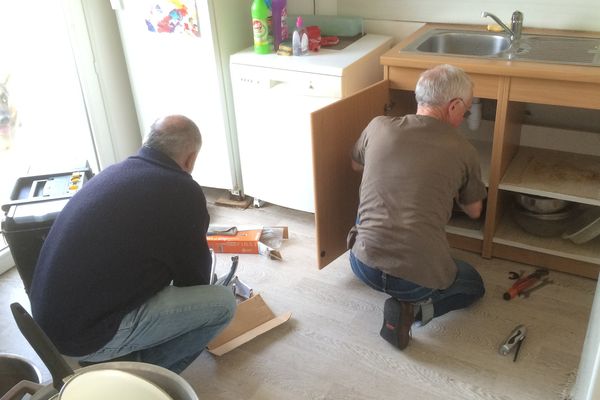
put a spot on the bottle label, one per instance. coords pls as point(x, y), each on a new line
point(261, 31)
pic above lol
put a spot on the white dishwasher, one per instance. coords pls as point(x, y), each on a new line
point(274, 97)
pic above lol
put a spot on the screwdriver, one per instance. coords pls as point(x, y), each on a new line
point(513, 341)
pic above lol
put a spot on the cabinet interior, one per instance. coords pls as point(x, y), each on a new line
point(538, 137)
point(526, 141)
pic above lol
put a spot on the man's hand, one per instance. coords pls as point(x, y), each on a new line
point(473, 210)
point(357, 167)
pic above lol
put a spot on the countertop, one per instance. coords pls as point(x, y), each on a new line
point(325, 61)
point(530, 69)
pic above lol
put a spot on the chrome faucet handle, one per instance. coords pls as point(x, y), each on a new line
point(498, 21)
point(517, 24)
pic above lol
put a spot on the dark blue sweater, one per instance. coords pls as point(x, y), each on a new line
point(129, 232)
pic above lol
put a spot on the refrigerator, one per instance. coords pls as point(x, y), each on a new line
point(177, 54)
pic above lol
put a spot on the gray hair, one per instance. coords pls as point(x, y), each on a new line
point(439, 85)
point(173, 135)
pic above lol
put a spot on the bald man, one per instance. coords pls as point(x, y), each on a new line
point(125, 270)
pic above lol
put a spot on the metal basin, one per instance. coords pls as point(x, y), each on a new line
point(557, 49)
point(462, 43)
point(483, 44)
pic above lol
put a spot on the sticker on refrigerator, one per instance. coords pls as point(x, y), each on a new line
point(174, 16)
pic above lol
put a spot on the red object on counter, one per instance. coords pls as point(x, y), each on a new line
point(314, 37)
point(329, 40)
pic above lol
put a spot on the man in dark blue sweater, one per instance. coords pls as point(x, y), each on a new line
point(125, 268)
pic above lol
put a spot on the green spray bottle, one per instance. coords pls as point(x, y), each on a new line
point(261, 21)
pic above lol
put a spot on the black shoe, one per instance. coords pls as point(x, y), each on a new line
point(398, 317)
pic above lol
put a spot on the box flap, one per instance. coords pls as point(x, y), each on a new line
point(253, 317)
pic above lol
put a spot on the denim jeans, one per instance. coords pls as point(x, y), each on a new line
point(172, 328)
point(466, 288)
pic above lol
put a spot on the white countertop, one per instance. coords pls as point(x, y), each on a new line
point(325, 61)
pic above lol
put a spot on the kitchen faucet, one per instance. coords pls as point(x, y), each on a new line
point(516, 24)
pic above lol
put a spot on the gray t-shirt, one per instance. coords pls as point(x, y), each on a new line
point(414, 167)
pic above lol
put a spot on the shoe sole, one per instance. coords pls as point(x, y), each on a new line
point(397, 321)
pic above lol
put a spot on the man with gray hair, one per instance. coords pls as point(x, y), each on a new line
point(125, 270)
point(414, 168)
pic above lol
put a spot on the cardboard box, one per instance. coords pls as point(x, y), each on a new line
point(243, 242)
point(253, 317)
point(250, 241)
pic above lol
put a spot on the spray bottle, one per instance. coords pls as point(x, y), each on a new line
point(261, 19)
point(299, 39)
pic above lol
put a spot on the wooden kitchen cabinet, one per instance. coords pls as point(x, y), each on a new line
point(507, 166)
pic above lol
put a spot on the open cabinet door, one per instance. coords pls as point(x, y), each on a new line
point(335, 129)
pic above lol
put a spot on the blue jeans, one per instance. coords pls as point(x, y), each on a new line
point(466, 288)
point(172, 328)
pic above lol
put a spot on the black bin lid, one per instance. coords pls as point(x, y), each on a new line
point(32, 215)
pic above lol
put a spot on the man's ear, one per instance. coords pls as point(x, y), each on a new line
point(190, 161)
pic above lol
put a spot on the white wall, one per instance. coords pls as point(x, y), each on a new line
point(558, 14)
point(399, 18)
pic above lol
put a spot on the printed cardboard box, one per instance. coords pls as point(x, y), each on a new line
point(255, 240)
point(252, 318)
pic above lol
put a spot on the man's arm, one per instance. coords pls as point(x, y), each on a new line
point(473, 210)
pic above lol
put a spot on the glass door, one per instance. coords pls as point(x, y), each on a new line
point(43, 121)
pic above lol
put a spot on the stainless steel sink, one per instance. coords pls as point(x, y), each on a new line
point(557, 49)
point(540, 48)
point(463, 43)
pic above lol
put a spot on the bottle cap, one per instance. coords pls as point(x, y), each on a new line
point(299, 21)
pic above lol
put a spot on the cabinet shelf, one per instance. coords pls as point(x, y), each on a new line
point(556, 174)
point(461, 224)
point(509, 233)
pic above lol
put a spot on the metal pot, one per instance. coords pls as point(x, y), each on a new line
point(540, 204)
point(13, 369)
point(545, 225)
point(136, 380)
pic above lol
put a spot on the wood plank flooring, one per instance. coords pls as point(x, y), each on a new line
point(331, 348)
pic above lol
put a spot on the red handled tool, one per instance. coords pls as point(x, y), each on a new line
point(522, 284)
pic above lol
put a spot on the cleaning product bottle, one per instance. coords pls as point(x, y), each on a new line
point(299, 39)
point(261, 16)
point(280, 30)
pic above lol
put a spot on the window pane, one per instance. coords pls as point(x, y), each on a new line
point(43, 121)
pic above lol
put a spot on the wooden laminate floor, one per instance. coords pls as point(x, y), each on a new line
point(331, 348)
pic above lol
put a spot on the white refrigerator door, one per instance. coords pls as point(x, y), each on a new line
point(177, 73)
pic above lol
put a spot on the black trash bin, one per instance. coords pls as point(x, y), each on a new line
point(34, 204)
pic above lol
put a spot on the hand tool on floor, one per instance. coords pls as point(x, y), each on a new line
point(513, 342)
point(525, 293)
point(226, 279)
point(230, 279)
point(524, 283)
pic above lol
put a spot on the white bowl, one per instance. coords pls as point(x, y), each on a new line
point(111, 384)
point(585, 227)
